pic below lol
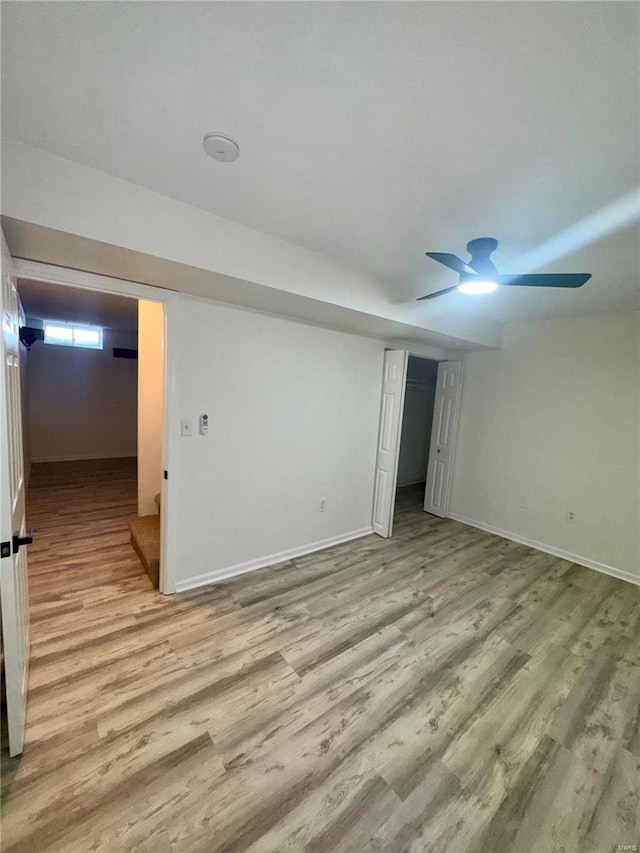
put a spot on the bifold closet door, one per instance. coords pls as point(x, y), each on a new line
point(445, 418)
point(391, 407)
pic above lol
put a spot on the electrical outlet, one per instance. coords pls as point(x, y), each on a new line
point(323, 504)
point(570, 516)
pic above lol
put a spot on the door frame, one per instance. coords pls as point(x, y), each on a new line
point(93, 281)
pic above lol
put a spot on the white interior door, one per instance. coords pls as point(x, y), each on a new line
point(443, 432)
point(391, 407)
point(14, 592)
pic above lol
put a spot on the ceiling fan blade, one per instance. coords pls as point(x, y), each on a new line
point(545, 279)
point(437, 293)
point(452, 261)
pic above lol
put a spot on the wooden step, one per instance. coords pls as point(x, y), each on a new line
point(145, 538)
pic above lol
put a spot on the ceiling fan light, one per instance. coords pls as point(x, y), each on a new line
point(476, 287)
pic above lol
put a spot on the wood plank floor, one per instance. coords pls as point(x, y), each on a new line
point(445, 690)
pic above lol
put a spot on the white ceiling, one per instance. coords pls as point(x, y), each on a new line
point(45, 301)
point(370, 132)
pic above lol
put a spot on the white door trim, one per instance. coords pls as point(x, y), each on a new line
point(94, 281)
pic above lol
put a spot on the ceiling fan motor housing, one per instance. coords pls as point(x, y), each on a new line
point(480, 251)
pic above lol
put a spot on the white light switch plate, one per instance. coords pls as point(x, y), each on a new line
point(186, 426)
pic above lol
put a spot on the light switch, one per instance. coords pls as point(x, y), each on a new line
point(186, 426)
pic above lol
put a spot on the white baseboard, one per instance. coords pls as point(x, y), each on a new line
point(272, 559)
point(550, 549)
point(78, 457)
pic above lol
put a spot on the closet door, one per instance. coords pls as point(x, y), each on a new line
point(445, 418)
point(392, 404)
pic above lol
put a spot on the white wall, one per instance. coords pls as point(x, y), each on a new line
point(416, 434)
point(549, 424)
point(293, 412)
point(417, 418)
point(82, 402)
point(150, 403)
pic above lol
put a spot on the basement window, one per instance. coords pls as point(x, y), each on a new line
point(66, 335)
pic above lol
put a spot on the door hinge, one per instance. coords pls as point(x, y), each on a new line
point(5, 549)
point(166, 475)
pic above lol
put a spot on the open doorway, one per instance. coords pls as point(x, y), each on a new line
point(440, 422)
point(83, 580)
point(92, 379)
point(415, 434)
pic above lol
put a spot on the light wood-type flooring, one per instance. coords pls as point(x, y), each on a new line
point(444, 690)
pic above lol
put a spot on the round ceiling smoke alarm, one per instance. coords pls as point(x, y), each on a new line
point(221, 147)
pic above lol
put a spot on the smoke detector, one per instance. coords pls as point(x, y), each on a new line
point(221, 147)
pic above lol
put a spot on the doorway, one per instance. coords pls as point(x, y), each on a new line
point(89, 584)
point(92, 380)
point(439, 422)
point(163, 321)
point(415, 434)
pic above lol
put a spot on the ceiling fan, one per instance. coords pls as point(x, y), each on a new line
point(479, 275)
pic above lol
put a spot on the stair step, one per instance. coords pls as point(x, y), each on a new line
point(145, 538)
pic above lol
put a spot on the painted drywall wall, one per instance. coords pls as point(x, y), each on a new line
point(150, 403)
point(550, 424)
point(416, 434)
point(82, 402)
point(417, 417)
point(293, 412)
